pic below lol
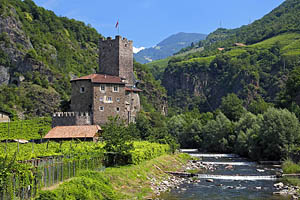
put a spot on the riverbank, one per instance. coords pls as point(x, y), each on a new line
point(143, 181)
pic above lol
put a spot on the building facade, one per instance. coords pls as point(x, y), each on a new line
point(4, 117)
point(111, 92)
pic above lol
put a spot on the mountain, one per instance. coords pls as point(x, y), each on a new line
point(254, 61)
point(40, 53)
point(168, 47)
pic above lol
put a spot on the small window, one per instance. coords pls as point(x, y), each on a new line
point(118, 99)
point(115, 88)
point(101, 108)
point(109, 99)
point(125, 45)
point(102, 88)
point(117, 109)
point(82, 89)
point(101, 99)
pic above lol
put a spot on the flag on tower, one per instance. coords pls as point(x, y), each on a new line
point(117, 24)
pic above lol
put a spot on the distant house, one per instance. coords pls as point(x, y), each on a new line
point(239, 44)
point(84, 133)
point(220, 49)
point(4, 116)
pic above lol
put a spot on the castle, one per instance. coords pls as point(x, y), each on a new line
point(110, 92)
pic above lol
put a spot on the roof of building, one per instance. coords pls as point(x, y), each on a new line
point(101, 78)
point(86, 131)
point(132, 89)
point(239, 44)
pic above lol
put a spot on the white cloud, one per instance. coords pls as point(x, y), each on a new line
point(137, 49)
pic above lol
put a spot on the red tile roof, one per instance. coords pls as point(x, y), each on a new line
point(87, 131)
point(101, 78)
point(132, 89)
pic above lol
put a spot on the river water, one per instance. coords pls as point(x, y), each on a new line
point(245, 180)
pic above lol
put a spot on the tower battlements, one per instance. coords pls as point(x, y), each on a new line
point(71, 118)
point(71, 114)
point(118, 38)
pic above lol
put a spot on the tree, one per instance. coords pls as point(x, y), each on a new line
point(279, 132)
point(259, 106)
point(216, 134)
point(232, 107)
point(118, 142)
point(244, 128)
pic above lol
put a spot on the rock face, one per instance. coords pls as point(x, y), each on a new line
point(16, 45)
point(11, 30)
point(4, 75)
point(206, 84)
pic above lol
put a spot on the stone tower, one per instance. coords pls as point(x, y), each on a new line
point(116, 58)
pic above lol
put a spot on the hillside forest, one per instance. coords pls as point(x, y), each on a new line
point(236, 91)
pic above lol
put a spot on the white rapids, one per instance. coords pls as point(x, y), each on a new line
point(228, 177)
point(188, 150)
point(206, 155)
point(230, 163)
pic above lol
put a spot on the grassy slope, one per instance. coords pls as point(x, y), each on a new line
point(289, 44)
point(127, 182)
point(289, 167)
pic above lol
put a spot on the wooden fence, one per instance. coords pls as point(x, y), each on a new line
point(48, 172)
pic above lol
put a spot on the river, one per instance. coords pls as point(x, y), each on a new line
point(233, 178)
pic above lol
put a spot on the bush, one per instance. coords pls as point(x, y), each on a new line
point(145, 151)
point(289, 167)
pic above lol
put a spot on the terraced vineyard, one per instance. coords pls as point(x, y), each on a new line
point(25, 129)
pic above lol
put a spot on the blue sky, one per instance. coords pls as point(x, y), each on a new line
point(147, 22)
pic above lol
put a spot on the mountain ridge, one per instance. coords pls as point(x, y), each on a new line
point(259, 66)
point(168, 46)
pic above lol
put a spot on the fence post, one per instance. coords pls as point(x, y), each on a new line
point(53, 171)
point(45, 176)
point(14, 186)
point(69, 169)
point(49, 174)
point(74, 165)
point(62, 169)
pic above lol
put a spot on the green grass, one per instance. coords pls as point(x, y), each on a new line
point(163, 63)
point(283, 39)
point(291, 181)
point(200, 62)
point(126, 182)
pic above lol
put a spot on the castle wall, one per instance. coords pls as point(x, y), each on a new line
point(71, 119)
point(126, 61)
point(82, 101)
point(110, 108)
point(133, 106)
point(116, 58)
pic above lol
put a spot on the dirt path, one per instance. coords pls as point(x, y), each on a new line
point(53, 187)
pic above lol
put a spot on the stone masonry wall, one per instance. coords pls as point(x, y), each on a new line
point(109, 56)
point(126, 61)
point(133, 106)
point(82, 101)
point(100, 117)
point(71, 119)
point(116, 58)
